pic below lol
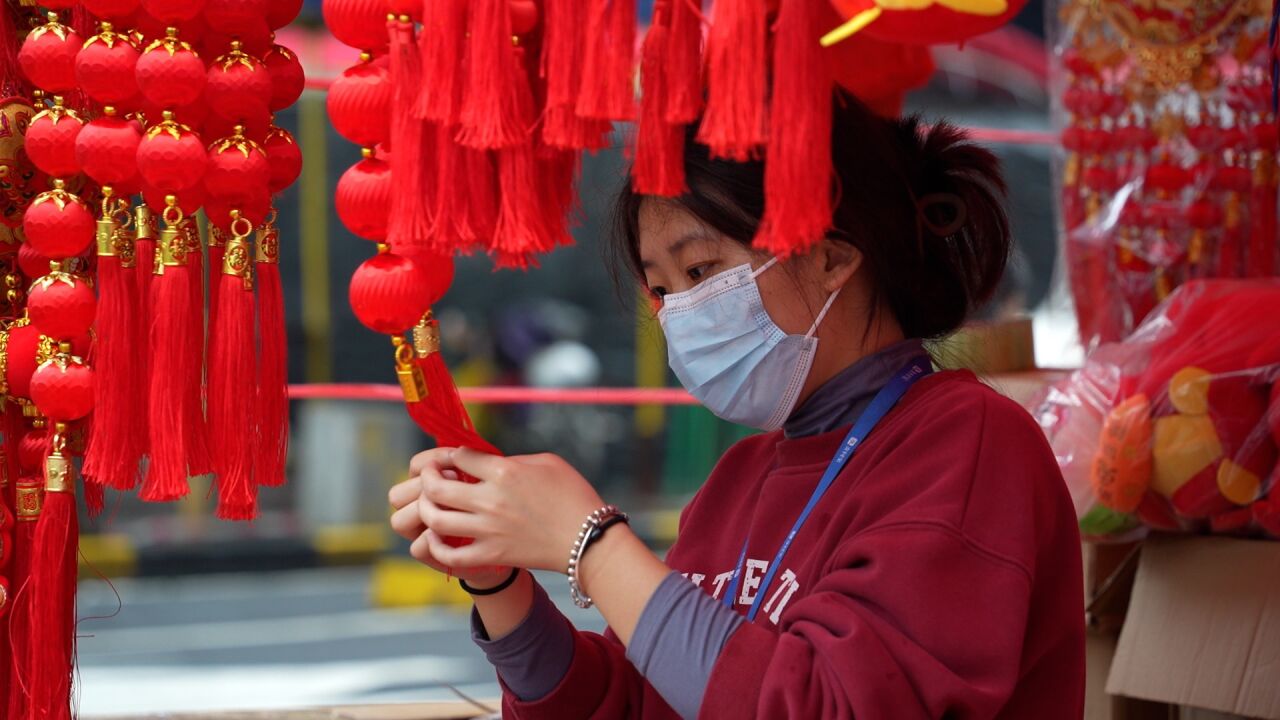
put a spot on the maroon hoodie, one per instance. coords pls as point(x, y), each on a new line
point(939, 577)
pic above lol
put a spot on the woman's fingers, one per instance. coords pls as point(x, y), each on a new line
point(450, 522)
point(452, 493)
point(437, 458)
point(480, 465)
point(407, 522)
point(401, 494)
point(477, 554)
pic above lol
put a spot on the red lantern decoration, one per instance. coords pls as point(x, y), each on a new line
point(389, 293)
point(62, 305)
point(194, 115)
point(239, 87)
point(171, 157)
point(359, 104)
point(112, 10)
point(284, 157)
point(62, 388)
point(105, 67)
point(48, 56)
point(58, 224)
point(170, 12)
point(253, 206)
point(235, 17)
point(358, 23)
point(189, 201)
point(24, 344)
point(438, 275)
point(31, 263)
point(924, 23)
point(256, 41)
point(51, 141)
point(237, 166)
point(407, 8)
point(107, 150)
point(255, 129)
point(287, 77)
point(145, 26)
point(363, 198)
point(282, 12)
point(170, 74)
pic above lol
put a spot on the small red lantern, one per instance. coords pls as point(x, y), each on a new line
point(363, 198)
point(362, 24)
point(170, 12)
point(359, 104)
point(31, 263)
point(24, 344)
point(107, 149)
point(282, 12)
point(171, 157)
point(62, 305)
point(284, 157)
point(112, 10)
point(925, 22)
point(58, 224)
point(170, 74)
point(189, 200)
point(255, 129)
point(193, 115)
point(438, 271)
point(51, 140)
point(105, 67)
point(234, 17)
point(287, 77)
point(253, 206)
point(239, 87)
point(389, 293)
point(62, 387)
point(237, 166)
point(256, 40)
point(48, 56)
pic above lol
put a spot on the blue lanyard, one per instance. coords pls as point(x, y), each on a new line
point(880, 406)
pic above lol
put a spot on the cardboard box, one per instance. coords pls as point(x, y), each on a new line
point(1203, 627)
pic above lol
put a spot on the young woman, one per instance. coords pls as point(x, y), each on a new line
point(898, 543)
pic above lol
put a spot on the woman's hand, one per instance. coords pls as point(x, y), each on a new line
point(524, 511)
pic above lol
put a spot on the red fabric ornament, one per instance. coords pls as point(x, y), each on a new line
point(31, 263)
point(358, 23)
point(255, 129)
point(254, 206)
point(389, 293)
point(146, 27)
point(411, 9)
point(234, 17)
point(34, 445)
point(237, 166)
point(171, 157)
point(51, 141)
point(105, 67)
point(437, 270)
point(170, 74)
point(282, 12)
point(189, 200)
point(173, 11)
point(62, 305)
point(194, 115)
point(62, 388)
point(496, 112)
point(48, 56)
point(239, 87)
point(359, 104)
point(363, 198)
point(107, 150)
point(112, 10)
point(287, 77)
point(284, 157)
point(58, 224)
point(256, 40)
point(24, 344)
point(933, 24)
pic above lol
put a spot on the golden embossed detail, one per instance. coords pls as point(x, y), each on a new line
point(412, 382)
point(267, 245)
point(426, 336)
point(30, 499)
point(4, 362)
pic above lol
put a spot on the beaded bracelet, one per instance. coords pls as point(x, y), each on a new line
point(592, 530)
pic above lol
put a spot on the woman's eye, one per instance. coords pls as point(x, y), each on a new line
point(658, 292)
point(698, 272)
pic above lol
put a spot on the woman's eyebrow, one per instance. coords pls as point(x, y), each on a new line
point(678, 246)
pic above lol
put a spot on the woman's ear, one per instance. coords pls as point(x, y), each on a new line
point(840, 261)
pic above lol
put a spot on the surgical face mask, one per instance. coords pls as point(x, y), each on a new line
point(730, 355)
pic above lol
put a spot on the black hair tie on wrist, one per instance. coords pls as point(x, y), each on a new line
point(515, 573)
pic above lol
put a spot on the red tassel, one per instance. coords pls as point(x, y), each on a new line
point(659, 155)
point(557, 172)
point(450, 230)
point(494, 114)
point(482, 203)
point(10, 42)
point(439, 410)
point(231, 381)
point(442, 43)
point(684, 63)
point(798, 170)
point(409, 226)
point(53, 591)
point(217, 249)
point(199, 459)
point(30, 498)
point(174, 359)
point(562, 48)
point(734, 124)
point(273, 372)
point(520, 232)
point(607, 92)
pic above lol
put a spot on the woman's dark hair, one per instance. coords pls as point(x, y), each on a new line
point(923, 205)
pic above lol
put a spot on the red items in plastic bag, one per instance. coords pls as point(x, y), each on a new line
point(1177, 427)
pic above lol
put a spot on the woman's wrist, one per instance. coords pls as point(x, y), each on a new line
point(620, 574)
point(504, 611)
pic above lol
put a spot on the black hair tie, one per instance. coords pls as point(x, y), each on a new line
point(515, 573)
point(953, 210)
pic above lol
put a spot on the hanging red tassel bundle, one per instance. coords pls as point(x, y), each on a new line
point(734, 124)
point(561, 67)
point(606, 92)
point(441, 46)
point(411, 173)
point(659, 157)
point(28, 503)
point(494, 113)
point(683, 67)
point(232, 374)
point(798, 171)
point(272, 399)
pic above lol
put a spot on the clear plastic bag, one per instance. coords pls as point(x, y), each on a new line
point(1177, 427)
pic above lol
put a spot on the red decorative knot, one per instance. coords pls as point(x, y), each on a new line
point(362, 24)
point(62, 387)
point(253, 207)
point(359, 103)
point(112, 10)
point(282, 12)
point(51, 140)
point(237, 167)
point(171, 157)
point(48, 56)
point(170, 74)
point(287, 77)
point(239, 87)
point(58, 224)
point(107, 149)
point(189, 200)
point(235, 17)
point(284, 157)
point(389, 293)
point(105, 67)
point(173, 11)
point(62, 305)
point(363, 198)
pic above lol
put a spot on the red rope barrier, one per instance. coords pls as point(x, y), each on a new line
point(502, 395)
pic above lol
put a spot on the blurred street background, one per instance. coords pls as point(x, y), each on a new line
point(315, 603)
